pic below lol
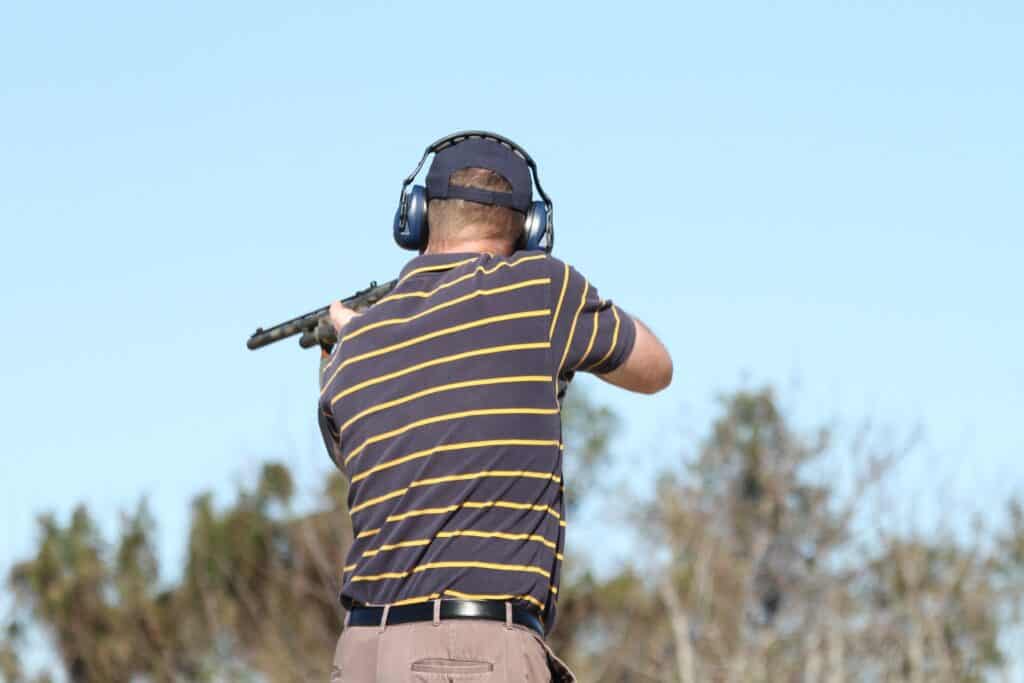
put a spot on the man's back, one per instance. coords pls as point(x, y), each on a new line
point(441, 404)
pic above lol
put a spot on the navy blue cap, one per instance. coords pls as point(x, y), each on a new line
point(481, 153)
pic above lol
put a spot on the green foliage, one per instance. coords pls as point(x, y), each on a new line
point(258, 592)
point(747, 568)
point(10, 662)
point(69, 585)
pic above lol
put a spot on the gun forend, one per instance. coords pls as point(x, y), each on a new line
point(307, 325)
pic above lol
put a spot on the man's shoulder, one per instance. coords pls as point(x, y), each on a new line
point(536, 259)
point(526, 265)
point(426, 283)
point(518, 265)
point(532, 262)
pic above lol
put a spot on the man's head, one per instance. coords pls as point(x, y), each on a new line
point(479, 192)
point(459, 221)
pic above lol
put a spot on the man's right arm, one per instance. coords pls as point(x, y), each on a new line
point(648, 367)
point(591, 334)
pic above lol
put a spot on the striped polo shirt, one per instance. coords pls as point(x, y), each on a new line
point(440, 404)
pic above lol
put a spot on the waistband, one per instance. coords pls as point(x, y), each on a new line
point(435, 611)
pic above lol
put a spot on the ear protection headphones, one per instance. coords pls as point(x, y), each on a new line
point(410, 227)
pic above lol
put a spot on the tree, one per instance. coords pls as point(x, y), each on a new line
point(258, 594)
point(92, 606)
point(749, 565)
point(752, 571)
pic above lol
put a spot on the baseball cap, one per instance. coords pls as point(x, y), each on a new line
point(481, 153)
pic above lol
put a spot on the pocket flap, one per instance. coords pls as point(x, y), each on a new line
point(435, 665)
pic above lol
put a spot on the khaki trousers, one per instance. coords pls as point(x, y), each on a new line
point(446, 651)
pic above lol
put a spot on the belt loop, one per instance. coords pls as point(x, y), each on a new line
point(384, 619)
point(508, 615)
point(437, 612)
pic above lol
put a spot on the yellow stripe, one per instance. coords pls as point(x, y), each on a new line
point(474, 505)
point(454, 477)
point(487, 596)
point(530, 598)
point(572, 333)
point(590, 345)
point(562, 523)
point(444, 387)
point(514, 506)
point(490, 473)
point(455, 565)
point(447, 304)
point(558, 308)
point(378, 499)
point(554, 589)
point(378, 577)
point(438, 361)
point(482, 565)
point(560, 557)
point(392, 546)
point(421, 512)
point(575, 319)
point(432, 335)
point(419, 542)
point(497, 534)
point(538, 313)
point(444, 448)
point(349, 567)
point(461, 278)
point(368, 533)
point(615, 340)
point(440, 266)
point(444, 418)
point(413, 601)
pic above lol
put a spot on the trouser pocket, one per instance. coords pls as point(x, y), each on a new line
point(464, 667)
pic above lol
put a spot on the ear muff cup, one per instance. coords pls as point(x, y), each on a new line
point(535, 228)
point(411, 233)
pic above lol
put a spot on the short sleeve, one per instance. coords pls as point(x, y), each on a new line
point(588, 333)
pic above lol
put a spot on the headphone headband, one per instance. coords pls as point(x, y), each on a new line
point(455, 138)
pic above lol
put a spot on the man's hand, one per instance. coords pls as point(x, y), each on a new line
point(340, 316)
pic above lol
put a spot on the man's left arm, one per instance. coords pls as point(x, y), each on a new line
point(339, 316)
point(330, 435)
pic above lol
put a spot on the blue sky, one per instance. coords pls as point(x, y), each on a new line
point(825, 196)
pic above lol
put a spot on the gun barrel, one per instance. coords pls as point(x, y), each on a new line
point(303, 323)
point(307, 324)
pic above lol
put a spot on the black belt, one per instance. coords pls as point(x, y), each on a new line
point(492, 610)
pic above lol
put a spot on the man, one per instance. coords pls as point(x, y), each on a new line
point(441, 404)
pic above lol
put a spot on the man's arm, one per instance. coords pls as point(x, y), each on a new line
point(602, 339)
point(648, 367)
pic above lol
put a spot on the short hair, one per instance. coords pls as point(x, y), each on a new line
point(460, 219)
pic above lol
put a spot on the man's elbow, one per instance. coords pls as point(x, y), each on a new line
point(660, 377)
point(652, 361)
point(647, 369)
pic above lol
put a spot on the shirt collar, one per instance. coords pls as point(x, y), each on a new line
point(432, 263)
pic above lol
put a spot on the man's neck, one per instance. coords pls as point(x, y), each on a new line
point(495, 247)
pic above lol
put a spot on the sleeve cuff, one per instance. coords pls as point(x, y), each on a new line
point(623, 346)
